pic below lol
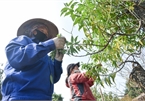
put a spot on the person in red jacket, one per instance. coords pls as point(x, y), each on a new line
point(79, 84)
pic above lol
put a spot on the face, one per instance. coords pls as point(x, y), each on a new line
point(75, 70)
point(42, 29)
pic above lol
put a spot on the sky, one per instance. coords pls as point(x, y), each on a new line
point(15, 12)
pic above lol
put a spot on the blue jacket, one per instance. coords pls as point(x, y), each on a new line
point(30, 72)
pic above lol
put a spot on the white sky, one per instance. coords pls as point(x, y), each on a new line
point(14, 12)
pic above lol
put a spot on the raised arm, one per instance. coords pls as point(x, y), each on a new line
point(22, 51)
point(90, 82)
point(78, 78)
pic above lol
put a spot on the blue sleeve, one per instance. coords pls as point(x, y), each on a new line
point(57, 70)
point(22, 51)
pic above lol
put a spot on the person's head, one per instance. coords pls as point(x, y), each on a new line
point(73, 68)
point(40, 28)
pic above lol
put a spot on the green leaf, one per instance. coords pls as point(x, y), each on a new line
point(113, 75)
point(80, 8)
point(73, 16)
point(81, 1)
point(70, 2)
point(66, 4)
point(72, 6)
point(80, 27)
point(72, 39)
point(76, 21)
point(64, 10)
point(51, 79)
point(67, 13)
point(76, 39)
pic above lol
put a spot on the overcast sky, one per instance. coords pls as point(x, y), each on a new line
point(14, 12)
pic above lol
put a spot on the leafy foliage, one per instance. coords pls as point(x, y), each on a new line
point(104, 96)
point(57, 97)
point(112, 28)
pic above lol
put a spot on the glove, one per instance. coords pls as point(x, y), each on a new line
point(59, 55)
point(59, 42)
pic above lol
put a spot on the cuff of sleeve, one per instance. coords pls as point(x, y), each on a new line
point(49, 43)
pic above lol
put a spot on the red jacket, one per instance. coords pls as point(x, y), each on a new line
point(80, 85)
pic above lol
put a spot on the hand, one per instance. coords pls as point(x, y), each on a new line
point(59, 42)
point(59, 55)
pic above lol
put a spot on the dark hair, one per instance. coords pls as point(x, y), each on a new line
point(66, 80)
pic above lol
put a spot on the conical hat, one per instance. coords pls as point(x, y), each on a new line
point(53, 30)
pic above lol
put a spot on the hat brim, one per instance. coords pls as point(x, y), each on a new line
point(53, 30)
point(77, 64)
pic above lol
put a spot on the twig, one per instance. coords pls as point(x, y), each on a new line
point(102, 94)
point(66, 31)
point(99, 50)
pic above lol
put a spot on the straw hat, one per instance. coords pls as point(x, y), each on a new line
point(23, 29)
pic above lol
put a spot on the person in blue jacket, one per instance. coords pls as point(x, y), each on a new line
point(30, 74)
